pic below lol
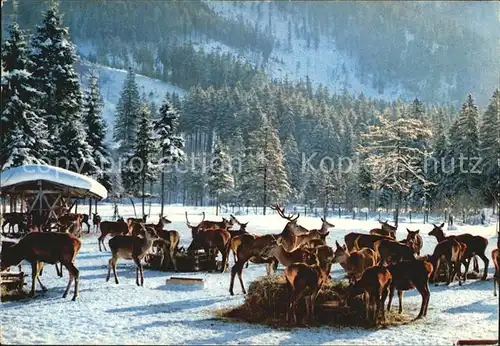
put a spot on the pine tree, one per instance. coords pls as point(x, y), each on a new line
point(23, 132)
point(220, 179)
point(53, 70)
point(264, 177)
point(96, 130)
point(170, 143)
point(490, 148)
point(293, 165)
point(127, 112)
point(140, 168)
point(464, 142)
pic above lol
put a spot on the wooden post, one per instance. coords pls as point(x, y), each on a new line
point(40, 192)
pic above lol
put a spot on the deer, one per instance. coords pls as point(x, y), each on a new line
point(449, 251)
point(496, 276)
point(243, 226)
point(285, 257)
point(113, 228)
point(255, 249)
point(14, 218)
point(314, 243)
point(374, 285)
point(476, 245)
point(355, 262)
point(408, 275)
point(96, 221)
point(131, 248)
point(305, 279)
point(216, 238)
point(45, 247)
point(292, 230)
point(361, 240)
point(393, 251)
point(167, 242)
point(132, 220)
point(414, 241)
point(208, 225)
point(386, 230)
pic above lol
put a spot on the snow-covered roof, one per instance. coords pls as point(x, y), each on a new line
point(81, 184)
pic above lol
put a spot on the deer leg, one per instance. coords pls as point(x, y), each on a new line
point(400, 299)
point(457, 272)
point(138, 268)
point(424, 292)
point(100, 240)
point(476, 264)
point(385, 292)
point(40, 268)
point(74, 274)
point(34, 276)
point(366, 298)
point(236, 269)
point(391, 295)
point(112, 262)
point(466, 264)
point(486, 262)
point(436, 272)
point(495, 279)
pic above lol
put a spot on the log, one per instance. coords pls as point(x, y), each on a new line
point(185, 280)
point(477, 342)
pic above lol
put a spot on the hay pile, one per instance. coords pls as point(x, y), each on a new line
point(267, 299)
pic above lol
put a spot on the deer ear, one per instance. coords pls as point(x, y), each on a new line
point(416, 232)
point(244, 224)
point(337, 243)
point(327, 233)
point(408, 230)
point(442, 225)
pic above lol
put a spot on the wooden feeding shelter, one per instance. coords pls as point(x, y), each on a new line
point(46, 191)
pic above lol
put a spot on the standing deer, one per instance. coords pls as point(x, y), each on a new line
point(167, 242)
point(96, 220)
point(305, 280)
point(496, 277)
point(374, 284)
point(476, 245)
point(39, 248)
point(392, 251)
point(355, 262)
point(113, 228)
point(356, 241)
point(449, 251)
point(292, 230)
point(207, 225)
point(414, 241)
point(131, 248)
point(216, 238)
point(408, 275)
point(386, 230)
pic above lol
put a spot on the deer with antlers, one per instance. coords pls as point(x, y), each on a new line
point(208, 225)
point(292, 230)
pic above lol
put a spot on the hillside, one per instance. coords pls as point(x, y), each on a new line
point(435, 51)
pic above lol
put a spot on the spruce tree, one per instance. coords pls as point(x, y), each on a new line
point(127, 112)
point(54, 57)
point(293, 165)
point(96, 130)
point(490, 148)
point(23, 131)
point(169, 142)
point(264, 178)
point(220, 179)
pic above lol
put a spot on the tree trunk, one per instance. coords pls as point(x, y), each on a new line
point(162, 191)
point(143, 198)
point(217, 205)
point(133, 206)
point(396, 216)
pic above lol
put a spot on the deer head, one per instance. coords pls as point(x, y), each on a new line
point(437, 231)
point(340, 255)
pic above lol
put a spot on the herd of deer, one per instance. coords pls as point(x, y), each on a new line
point(376, 264)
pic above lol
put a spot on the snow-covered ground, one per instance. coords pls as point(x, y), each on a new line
point(175, 314)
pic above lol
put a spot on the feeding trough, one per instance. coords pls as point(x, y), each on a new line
point(187, 261)
point(185, 280)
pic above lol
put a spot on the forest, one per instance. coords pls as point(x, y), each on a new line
point(238, 137)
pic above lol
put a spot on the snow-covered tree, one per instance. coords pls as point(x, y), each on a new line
point(54, 57)
point(23, 131)
point(96, 130)
point(127, 112)
point(220, 178)
point(140, 168)
point(394, 153)
point(293, 165)
point(170, 143)
point(490, 148)
point(264, 178)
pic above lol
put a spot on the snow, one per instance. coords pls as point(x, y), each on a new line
point(323, 66)
point(158, 313)
point(27, 173)
point(111, 83)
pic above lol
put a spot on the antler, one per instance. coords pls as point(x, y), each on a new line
point(235, 219)
point(282, 214)
point(187, 221)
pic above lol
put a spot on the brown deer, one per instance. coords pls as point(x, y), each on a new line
point(113, 228)
point(256, 249)
point(132, 220)
point(292, 230)
point(408, 275)
point(414, 241)
point(96, 220)
point(305, 280)
point(243, 226)
point(214, 238)
point(355, 262)
point(449, 251)
point(167, 242)
point(386, 230)
point(131, 248)
point(285, 257)
point(365, 240)
point(161, 223)
point(48, 247)
point(496, 277)
point(374, 284)
point(392, 251)
point(476, 245)
point(207, 225)
point(313, 243)
point(13, 219)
